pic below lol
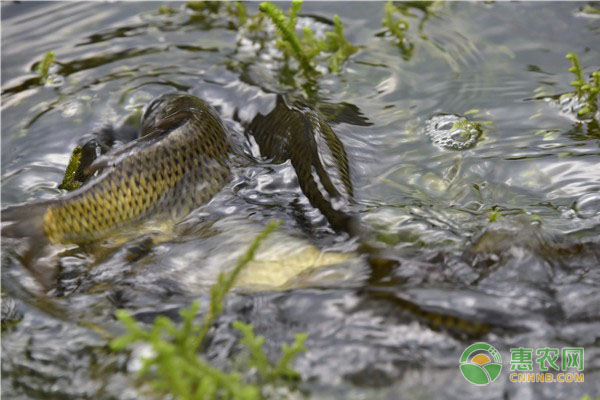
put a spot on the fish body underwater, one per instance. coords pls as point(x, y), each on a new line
point(295, 131)
point(179, 162)
point(181, 159)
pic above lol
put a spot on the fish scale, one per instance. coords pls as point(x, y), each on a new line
point(190, 152)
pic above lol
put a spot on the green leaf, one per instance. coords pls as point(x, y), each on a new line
point(44, 66)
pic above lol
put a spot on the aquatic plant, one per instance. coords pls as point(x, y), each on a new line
point(494, 214)
point(259, 360)
point(589, 397)
point(44, 66)
point(398, 28)
point(199, 6)
point(177, 368)
point(69, 182)
point(219, 10)
point(306, 48)
point(586, 92)
point(238, 9)
point(338, 45)
point(166, 10)
point(590, 9)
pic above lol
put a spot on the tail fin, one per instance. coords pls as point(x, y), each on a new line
point(23, 221)
point(24, 225)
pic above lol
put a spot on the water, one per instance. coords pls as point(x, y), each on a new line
point(530, 279)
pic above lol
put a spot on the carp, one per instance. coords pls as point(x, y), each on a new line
point(179, 162)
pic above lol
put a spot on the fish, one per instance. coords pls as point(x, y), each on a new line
point(302, 134)
point(179, 161)
point(294, 131)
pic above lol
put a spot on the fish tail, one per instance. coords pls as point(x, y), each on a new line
point(25, 224)
point(24, 221)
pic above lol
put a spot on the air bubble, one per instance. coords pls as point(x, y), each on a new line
point(453, 131)
point(588, 205)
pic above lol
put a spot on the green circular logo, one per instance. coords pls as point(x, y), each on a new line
point(480, 363)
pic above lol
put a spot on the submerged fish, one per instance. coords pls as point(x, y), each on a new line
point(180, 160)
point(295, 131)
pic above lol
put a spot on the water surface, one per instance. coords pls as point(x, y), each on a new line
point(530, 279)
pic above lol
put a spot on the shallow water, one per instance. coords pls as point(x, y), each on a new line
point(530, 279)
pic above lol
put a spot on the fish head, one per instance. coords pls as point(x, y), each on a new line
point(171, 110)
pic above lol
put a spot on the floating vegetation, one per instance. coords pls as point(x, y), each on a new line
point(306, 48)
point(586, 92)
point(453, 131)
point(43, 67)
point(176, 367)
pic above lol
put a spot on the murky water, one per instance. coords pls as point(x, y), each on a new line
point(530, 279)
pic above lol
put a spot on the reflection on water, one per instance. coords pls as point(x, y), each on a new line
point(529, 279)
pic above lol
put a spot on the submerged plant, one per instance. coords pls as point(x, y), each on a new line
point(586, 92)
point(306, 48)
point(44, 66)
point(177, 368)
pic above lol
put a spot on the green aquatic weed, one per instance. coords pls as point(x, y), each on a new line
point(589, 397)
point(44, 66)
point(239, 10)
point(259, 360)
point(306, 48)
point(69, 182)
point(234, 9)
point(576, 69)
point(590, 9)
point(290, 42)
point(585, 91)
point(495, 215)
point(166, 10)
point(176, 366)
point(200, 6)
point(398, 27)
point(338, 45)
point(225, 282)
